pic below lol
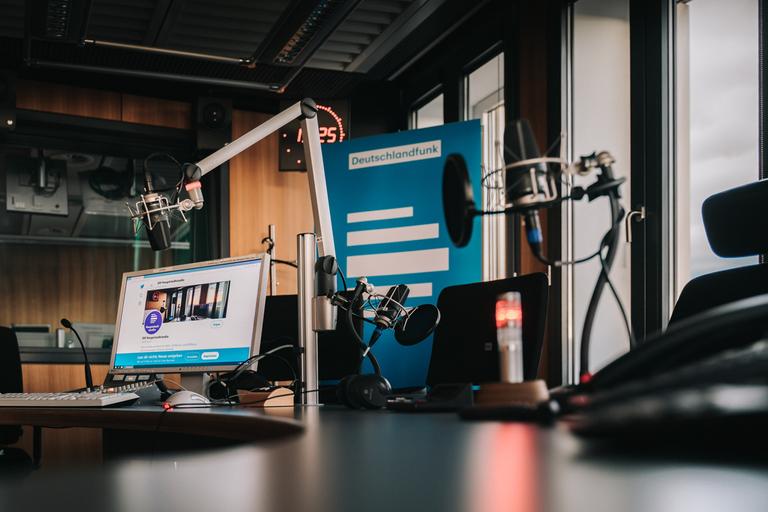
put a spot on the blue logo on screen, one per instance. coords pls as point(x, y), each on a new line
point(153, 322)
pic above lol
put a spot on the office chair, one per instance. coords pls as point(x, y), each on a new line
point(11, 459)
point(736, 223)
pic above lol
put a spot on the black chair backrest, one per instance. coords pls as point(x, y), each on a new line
point(10, 378)
point(736, 220)
point(464, 347)
point(736, 223)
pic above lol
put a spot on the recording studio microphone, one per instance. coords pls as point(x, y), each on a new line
point(155, 216)
point(88, 378)
point(389, 311)
point(530, 186)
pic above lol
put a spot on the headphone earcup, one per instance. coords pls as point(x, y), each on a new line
point(368, 391)
point(217, 390)
point(342, 391)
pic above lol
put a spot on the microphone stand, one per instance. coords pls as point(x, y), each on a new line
point(610, 241)
point(86, 363)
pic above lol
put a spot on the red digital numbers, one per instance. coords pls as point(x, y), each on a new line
point(328, 134)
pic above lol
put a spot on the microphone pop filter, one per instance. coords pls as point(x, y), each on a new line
point(419, 324)
point(458, 200)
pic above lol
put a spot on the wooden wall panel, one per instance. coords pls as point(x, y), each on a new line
point(42, 284)
point(156, 112)
point(63, 99)
point(44, 378)
point(261, 195)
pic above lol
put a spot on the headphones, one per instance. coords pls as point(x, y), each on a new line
point(367, 391)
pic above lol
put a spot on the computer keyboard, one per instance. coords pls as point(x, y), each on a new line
point(65, 399)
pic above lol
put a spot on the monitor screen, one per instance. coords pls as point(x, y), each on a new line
point(199, 317)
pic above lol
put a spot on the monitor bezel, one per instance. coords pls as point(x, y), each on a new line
point(258, 320)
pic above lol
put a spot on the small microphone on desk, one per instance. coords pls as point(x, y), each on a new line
point(88, 378)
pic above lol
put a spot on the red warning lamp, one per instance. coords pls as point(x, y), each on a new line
point(509, 311)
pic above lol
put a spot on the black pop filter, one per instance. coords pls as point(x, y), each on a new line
point(736, 221)
point(458, 200)
point(420, 324)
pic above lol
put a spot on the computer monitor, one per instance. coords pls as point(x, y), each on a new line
point(196, 318)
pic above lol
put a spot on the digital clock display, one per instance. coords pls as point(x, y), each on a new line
point(333, 126)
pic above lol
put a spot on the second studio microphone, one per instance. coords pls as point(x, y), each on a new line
point(530, 186)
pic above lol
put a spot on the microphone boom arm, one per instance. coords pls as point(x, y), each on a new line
point(306, 110)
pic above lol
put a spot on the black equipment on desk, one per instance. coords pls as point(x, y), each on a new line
point(710, 369)
point(465, 348)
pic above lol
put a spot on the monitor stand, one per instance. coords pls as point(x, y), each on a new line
point(195, 382)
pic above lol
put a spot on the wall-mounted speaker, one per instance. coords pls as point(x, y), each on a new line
point(213, 123)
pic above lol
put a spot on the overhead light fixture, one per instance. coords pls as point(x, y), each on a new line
point(298, 41)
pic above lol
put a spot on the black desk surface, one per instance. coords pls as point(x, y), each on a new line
point(349, 460)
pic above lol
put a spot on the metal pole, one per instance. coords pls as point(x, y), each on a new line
point(307, 336)
point(273, 270)
point(167, 51)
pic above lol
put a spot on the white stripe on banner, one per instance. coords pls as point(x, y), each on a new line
point(391, 235)
point(392, 263)
point(416, 289)
point(395, 154)
point(391, 213)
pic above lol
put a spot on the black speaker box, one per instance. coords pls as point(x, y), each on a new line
point(213, 123)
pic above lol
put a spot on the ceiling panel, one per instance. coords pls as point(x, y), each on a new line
point(230, 28)
point(12, 18)
point(124, 21)
point(367, 23)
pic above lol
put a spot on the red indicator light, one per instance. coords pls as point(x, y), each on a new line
point(167, 406)
point(509, 313)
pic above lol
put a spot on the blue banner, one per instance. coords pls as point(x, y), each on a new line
point(387, 212)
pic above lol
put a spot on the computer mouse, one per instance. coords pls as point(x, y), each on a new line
point(185, 397)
